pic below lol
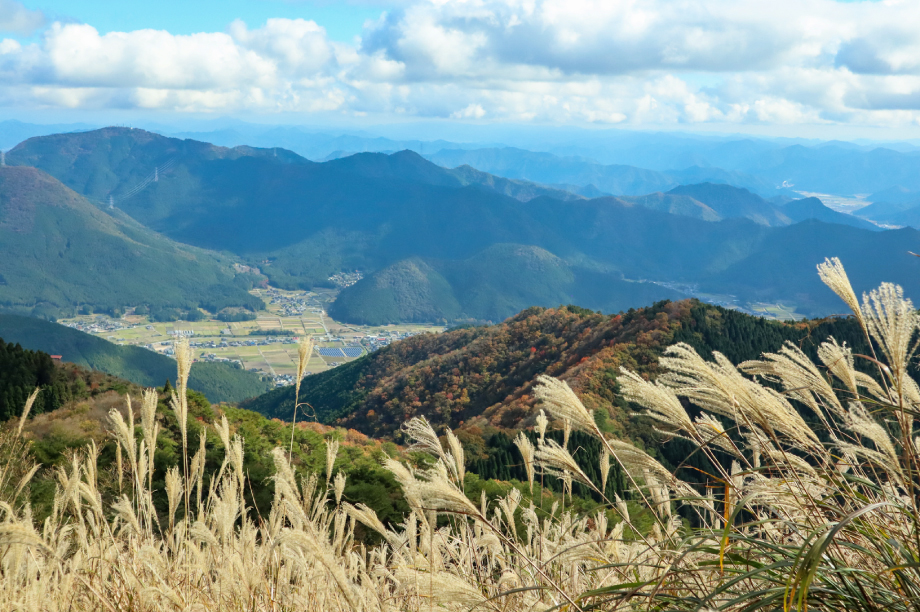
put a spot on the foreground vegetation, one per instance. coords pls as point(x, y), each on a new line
point(806, 498)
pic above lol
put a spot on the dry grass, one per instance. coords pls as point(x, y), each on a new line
point(812, 502)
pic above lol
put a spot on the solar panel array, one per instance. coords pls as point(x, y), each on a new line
point(348, 351)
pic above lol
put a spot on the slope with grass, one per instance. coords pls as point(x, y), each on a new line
point(59, 251)
point(218, 381)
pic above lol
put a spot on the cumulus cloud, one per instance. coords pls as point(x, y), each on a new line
point(17, 19)
point(609, 61)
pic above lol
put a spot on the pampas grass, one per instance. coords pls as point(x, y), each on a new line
point(812, 503)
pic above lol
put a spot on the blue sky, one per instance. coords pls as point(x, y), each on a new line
point(784, 67)
point(342, 21)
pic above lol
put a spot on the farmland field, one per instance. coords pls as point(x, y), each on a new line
point(268, 344)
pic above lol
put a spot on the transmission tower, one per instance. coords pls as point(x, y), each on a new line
point(2, 159)
point(156, 174)
point(111, 202)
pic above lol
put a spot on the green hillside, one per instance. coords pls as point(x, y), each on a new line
point(409, 290)
point(58, 252)
point(219, 382)
point(25, 370)
point(490, 286)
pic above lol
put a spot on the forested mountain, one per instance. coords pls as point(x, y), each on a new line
point(869, 257)
point(220, 382)
point(813, 208)
point(58, 252)
point(490, 286)
point(728, 202)
point(479, 379)
point(429, 239)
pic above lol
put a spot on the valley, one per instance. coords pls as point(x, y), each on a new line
point(267, 344)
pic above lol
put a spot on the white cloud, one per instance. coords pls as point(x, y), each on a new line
point(17, 19)
point(608, 61)
point(473, 111)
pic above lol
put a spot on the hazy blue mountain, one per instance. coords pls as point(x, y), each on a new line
point(783, 263)
point(422, 233)
point(674, 204)
point(909, 217)
point(729, 202)
point(13, 132)
point(813, 208)
point(550, 169)
point(617, 179)
point(895, 195)
point(892, 212)
point(838, 170)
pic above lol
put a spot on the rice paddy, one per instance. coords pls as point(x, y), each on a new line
point(268, 343)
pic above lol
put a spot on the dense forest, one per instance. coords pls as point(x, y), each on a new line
point(219, 382)
point(22, 371)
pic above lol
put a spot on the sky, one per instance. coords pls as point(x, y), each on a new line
point(783, 67)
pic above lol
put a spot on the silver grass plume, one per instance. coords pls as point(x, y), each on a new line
point(721, 388)
point(563, 403)
point(304, 350)
point(432, 489)
point(26, 409)
point(332, 451)
point(423, 437)
point(800, 378)
point(525, 446)
point(892, 322)
point(835, 277)
point(557, 461)
point(173, 493)
point(605, 468)
point(838, 359)
point(339, 487)
point(859, 421)
point(456, 451)
point(542, 423)
point(180, 403)
point(660, 401)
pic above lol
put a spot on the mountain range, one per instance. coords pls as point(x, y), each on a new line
point(460, 244)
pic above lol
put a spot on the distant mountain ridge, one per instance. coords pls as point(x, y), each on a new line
point(426, 236)
point(615, 179)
